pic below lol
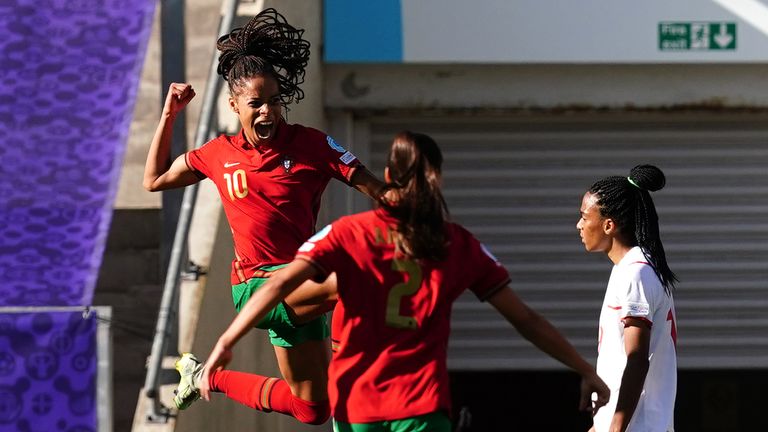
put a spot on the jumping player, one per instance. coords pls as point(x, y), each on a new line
point(399, 269)
point(270, 177)
point(637, 334)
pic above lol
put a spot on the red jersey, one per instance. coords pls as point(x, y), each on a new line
point(393, 315)
point(271, 195)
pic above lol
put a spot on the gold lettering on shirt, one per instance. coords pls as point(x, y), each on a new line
point(380, 239)
point(237, 186)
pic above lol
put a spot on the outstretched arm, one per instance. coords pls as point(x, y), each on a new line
point(367, 183)
point(547, 338)
point(159, 173)
point(277, 287)
point(637, 339)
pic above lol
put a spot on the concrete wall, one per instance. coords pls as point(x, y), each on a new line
point(548, 87)
point(129, 281)
point(202, 18)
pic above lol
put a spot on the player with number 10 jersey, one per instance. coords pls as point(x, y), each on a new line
point(271, 194)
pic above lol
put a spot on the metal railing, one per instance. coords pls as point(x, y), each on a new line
point(157, 412)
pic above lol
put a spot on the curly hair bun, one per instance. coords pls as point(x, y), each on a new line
point(648, 177)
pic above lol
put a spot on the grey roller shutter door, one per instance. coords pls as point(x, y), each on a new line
point(516, 182)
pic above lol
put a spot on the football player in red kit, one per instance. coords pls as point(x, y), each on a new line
point(399, 269)
point(270, 177)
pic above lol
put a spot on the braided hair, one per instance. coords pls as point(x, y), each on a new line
point(414, 164)
point(267, 45)
point(628, 202)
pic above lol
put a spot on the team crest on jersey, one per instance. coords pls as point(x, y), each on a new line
point(287, 164)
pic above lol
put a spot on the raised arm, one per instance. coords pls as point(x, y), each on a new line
point(277, 287)
point(547, 338)
point(159, 172)
point(637, 339)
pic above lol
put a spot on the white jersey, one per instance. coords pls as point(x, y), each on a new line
point(634, 290)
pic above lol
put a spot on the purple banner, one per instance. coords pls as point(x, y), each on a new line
point(68, 81)
point(48, 372)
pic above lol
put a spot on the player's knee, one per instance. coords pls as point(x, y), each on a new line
point(314, 413)
point(317, 418)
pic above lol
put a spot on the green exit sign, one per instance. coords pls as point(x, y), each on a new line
point(697, 36)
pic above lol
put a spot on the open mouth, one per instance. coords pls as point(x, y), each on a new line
point(264, 130)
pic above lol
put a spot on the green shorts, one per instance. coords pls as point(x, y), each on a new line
point(436, 421)
point(282, 331)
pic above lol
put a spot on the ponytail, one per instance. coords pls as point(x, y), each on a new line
point(627, 200)
point(414, 163)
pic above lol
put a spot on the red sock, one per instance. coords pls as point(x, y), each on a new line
point(244, 388)
point(268, 394)
point(314, 413)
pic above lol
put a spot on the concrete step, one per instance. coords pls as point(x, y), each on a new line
point(129, 282)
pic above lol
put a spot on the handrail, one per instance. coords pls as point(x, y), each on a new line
point(158, 412)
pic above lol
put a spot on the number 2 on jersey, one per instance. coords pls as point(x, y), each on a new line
point(236, 184)
point(397, 292)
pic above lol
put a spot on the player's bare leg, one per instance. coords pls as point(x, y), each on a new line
point(305, 368)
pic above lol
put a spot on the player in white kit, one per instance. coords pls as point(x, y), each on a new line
point(637, 334)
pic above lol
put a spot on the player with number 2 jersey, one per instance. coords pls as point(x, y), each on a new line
point(398, 308)
point(399, 269)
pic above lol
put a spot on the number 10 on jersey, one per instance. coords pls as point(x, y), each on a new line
point(236, 184)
